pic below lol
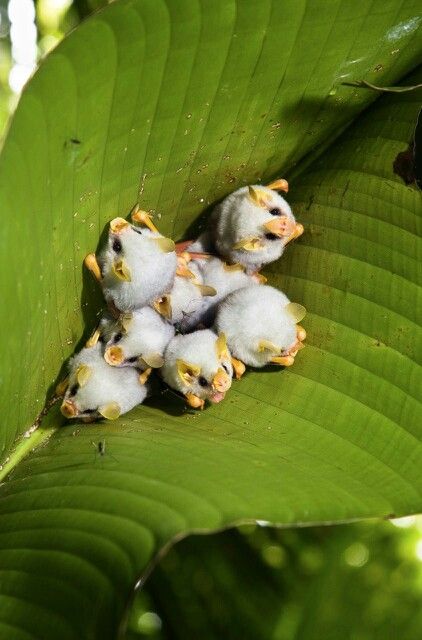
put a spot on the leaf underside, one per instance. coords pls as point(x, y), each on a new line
point(174, 105)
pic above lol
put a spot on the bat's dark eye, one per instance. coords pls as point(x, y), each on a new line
point(132, 359)
point(90, 411)
point(271, 236)
point(275, 212)
point(118, 337)
point(203, 381)
point(117, 245)
point(225, 368)
point(73, 390)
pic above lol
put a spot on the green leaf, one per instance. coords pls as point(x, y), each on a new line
point(175, 104)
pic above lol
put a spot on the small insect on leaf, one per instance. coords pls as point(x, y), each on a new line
point(100, 449)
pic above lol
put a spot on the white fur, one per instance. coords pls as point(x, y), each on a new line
point(147, 333)
point(253, 314)
point(106, 384)
point(187, 301)
point(152, 271)
point(215, 275)
point(237, 217)
point(198, 348)
point(203, 244)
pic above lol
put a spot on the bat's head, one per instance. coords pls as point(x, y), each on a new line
point(209, 376)
point(95, 391)
point(199, 363)
point(138, 264)
point(137, 339)
point(259, 224)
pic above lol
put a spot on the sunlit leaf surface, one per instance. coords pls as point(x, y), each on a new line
point(175, 104)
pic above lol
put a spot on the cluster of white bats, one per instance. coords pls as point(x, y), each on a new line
point(197, 312)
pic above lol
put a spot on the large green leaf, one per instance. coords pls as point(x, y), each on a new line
point(175, 104)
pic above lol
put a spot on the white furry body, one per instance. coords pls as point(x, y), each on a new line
point(199, 349)
point(105, 384)
point(151, 270)
point(251, 315)
point(215, 274)
point(186, 301)
point(238, 217)
point(144, 332)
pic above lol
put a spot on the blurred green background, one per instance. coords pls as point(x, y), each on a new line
point(359, 581)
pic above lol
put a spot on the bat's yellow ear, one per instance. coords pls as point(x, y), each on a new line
point(266, 345)
point(279, 185)
point(165, 244)
point(142, 217)
point(206, 290)
point(249, 244)
point(296, 311)
point(154, 360)
point(126, 321)
point(62, 387)
point(91, 263)
point(93, 339)
point(221, 346)
point(163, 306)
point(117, 225)
point(121, 271)
point(258, 196)
point(110, 411)
point(83, 374)
point(187, 372)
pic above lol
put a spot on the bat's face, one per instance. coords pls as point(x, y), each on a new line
point(202, 367)
point(95, 391)
point(137, 340)
point(122, 349)
point(137, 264)
point(256, 225)
point(264, 220)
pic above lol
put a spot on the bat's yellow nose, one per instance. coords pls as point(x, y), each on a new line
point(69, 409)
point(221, 381)
point(114, 356)
point(281, 226)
